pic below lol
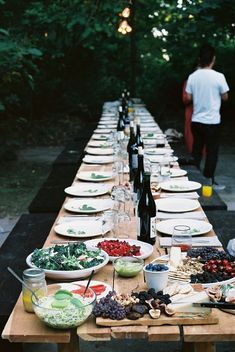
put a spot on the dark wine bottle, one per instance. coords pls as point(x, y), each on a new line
point(138, 180)
point(146, 213)
point(130, 143)
point(139, 140)
point(120, 124)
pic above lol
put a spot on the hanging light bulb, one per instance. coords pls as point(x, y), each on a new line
point(128, 29)
point(126, 12)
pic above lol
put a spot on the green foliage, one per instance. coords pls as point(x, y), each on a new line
point(67, 55)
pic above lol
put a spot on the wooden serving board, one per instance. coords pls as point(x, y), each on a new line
point(186, 319)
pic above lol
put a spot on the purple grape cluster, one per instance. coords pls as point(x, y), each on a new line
point(108, 308)
point(156, 267)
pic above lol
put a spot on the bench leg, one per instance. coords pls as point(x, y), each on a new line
point(199, 347)
point(204, 347)
point(72, 346)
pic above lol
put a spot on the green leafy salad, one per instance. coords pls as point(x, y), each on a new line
point(73, 256)
point(97, 176)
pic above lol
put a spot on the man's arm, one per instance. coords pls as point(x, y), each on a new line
point(189, 97)
point(224, 96)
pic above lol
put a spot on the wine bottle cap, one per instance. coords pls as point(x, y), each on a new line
point(132, 124)
point(140, 151)
point(120, 108)
point(138, 121)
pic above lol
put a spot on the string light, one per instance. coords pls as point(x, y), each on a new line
point(124, 27)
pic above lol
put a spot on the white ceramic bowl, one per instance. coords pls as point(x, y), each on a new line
point(73, 274)
point(156, 279)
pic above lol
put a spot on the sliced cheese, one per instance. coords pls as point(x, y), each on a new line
point(186, 305)
point(175, 258)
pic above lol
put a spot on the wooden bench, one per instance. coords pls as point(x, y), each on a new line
point(29, 233)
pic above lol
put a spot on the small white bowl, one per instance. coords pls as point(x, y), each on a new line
point(156, 279)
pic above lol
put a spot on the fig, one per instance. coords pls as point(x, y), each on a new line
point(155, 313)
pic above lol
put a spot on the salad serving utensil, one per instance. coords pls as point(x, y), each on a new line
point(23, 283)
point(88, 282)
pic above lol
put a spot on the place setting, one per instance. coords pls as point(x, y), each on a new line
point(97, 159)
point(99, 144)
point(95, 176)
point(180, 186)
point(88, 189)
point(88, 206)
point(99, 151)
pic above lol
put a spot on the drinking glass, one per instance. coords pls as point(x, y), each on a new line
point(165, 171)
point(124, 222)
point(109, 223)
point(207, 189)
point(182, 237)
point(161, 141)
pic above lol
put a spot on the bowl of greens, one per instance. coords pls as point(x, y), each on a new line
point(70, 261)
point(64, 309)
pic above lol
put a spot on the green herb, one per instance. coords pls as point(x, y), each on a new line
point(104, 146)
point(177, 187)
point(97, 176)
point(86, 207)
point(91, 190)
point(73, 232)
point(73, 256)
point(194, 230)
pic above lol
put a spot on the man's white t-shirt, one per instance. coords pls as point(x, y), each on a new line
point(206, 87)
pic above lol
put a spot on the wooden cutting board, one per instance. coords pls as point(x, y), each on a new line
point(180, 319)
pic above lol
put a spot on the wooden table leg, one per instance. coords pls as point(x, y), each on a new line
point(72, 346)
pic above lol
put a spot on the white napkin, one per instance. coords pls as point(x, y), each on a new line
point(189, 195)
point(188, 215)
point(212, 241)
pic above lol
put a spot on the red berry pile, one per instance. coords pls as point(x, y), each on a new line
point(116, 248)
point(215, 270)
point(220, 266)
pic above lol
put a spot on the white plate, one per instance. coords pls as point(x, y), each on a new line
point(87, 189)
point(151, 135)
point(99, 144)
point(197, 227)
point(176, 205)
point(100, 137)
point(145, 251)
point(110, 126)
point(158, 151)
point(162, 158)
point(180, 186)
point(80, 228)
point(102, 130)
point(73, 274)
point(229, 281)
point(178, 172)
point(108, 120)
point(100, 151)
point(88, 206)
point(92, 159)
point(91, 176)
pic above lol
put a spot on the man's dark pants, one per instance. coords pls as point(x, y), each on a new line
point(206, 135)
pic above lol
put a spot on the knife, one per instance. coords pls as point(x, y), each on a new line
point(223, 305)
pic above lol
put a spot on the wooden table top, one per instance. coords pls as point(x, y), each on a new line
point(26, 327)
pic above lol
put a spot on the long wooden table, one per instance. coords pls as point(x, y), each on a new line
point(25, 327)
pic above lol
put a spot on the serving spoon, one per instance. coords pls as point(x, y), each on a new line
point(23, 283)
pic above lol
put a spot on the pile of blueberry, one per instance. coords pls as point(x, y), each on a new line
point(156, 267)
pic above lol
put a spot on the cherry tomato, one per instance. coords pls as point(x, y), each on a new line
point(225, 261)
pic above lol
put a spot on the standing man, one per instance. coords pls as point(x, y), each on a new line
point(206, 88)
